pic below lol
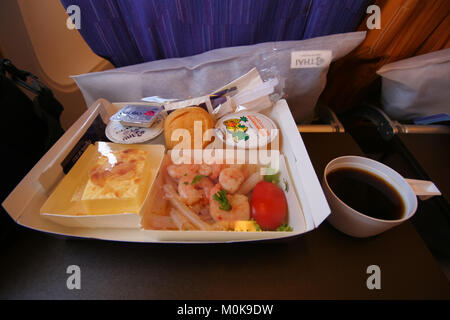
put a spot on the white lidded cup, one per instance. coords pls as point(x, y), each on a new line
point(357, 224)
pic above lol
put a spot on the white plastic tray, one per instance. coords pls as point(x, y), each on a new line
point(26, 199)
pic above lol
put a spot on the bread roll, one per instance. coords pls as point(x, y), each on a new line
point(185, 118)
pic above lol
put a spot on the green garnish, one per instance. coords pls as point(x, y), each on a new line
point(272, 177)
point(186, 183)
point(284, 227)
point(197, 178)
point(221, 197)
point(257, 227)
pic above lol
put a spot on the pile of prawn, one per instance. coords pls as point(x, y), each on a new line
point(188, 196)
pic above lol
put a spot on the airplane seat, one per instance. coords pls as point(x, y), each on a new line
point(50, 50)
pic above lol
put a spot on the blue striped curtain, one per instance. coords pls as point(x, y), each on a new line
point(134, 31)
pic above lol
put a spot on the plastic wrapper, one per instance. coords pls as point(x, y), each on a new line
point(249, 92)
point(137, 115)
point(301, 78)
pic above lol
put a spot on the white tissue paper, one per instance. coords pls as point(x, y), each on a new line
point(417, 86)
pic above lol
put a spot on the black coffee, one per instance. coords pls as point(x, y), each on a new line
point(366, 193)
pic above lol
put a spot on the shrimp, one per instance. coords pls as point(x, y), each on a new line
point(231, 179)
point(202, 210)
point(192, 191)
point(211, 170)
point(240, 208)
point(177, 171)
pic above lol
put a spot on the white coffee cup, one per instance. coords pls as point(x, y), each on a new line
point(357, 224)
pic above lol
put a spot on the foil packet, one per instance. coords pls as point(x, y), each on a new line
point(137, 115)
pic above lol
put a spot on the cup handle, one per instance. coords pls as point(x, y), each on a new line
point(423, 189)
